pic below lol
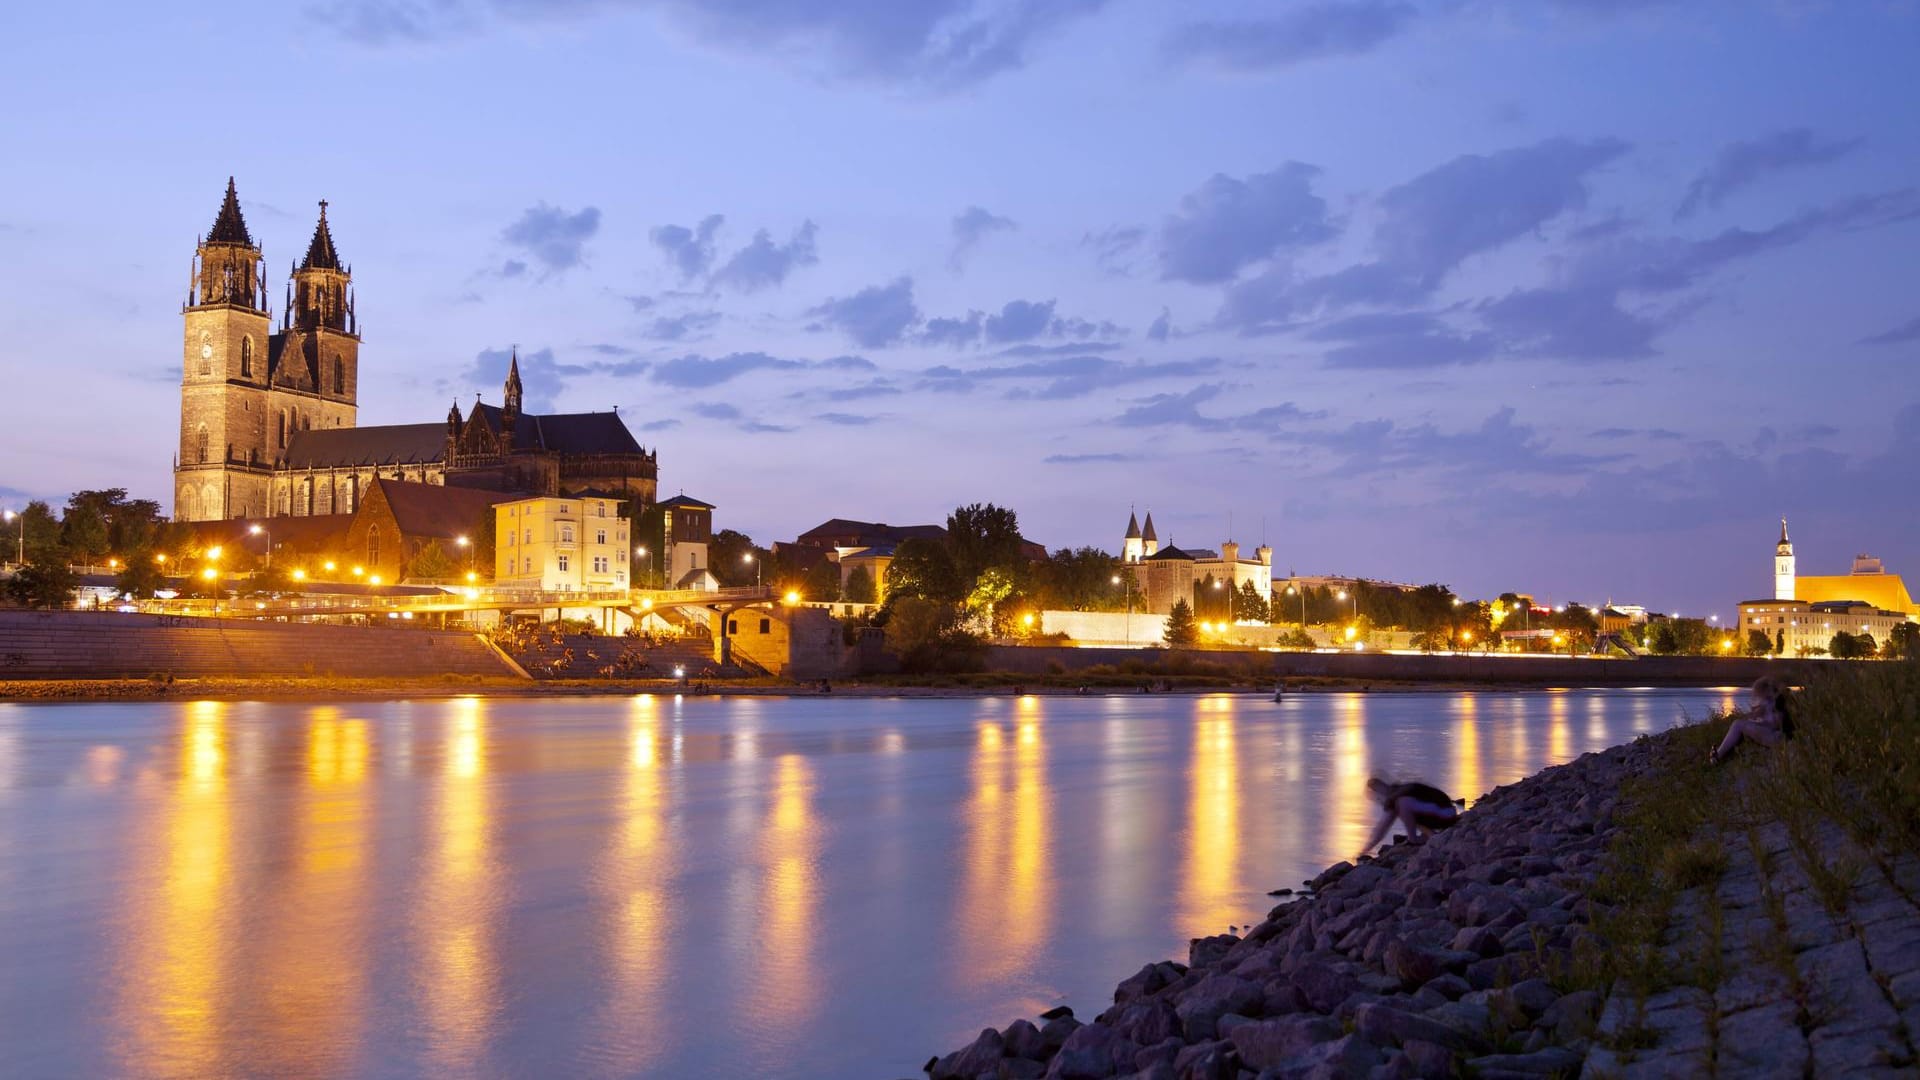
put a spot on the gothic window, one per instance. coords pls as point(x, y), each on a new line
point(306, 496)
point(189, 506)
point(353, 494)
point(246, 358)
point(339, 376)
point(200, 445)
point(282, 442)
point(373, 545)
point(209, 501)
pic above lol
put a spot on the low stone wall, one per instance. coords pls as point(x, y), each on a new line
point(116, 645)
point(1395, 667)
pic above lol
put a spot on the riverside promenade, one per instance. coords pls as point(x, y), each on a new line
point(1634, 913)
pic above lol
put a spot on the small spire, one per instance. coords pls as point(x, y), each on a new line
point(321, 254)
point(1783, 531)
point(1146, 532)
point(229, 226)
point(1133, 525)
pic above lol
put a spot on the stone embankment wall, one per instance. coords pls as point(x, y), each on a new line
point(1440, 667)
point(1463, 954)
point(114, 645)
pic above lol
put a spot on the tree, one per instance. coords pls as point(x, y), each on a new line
point(1180, 625)
point(822, 583)
point(1662, 640)
point(994, 585)
point(83, 532)
point(730, 551)
point(43, 585)
point(1758, 643)
point(925, 569)
point(1249, 605)
point(1843, 646)
point(1904, 641)
point(430, 562)
point(140, 576)
point(928, 636)
point(981, 536)
point(1296, 638)
point(42, 534)
point(1865, 647)
point(859, 586)
point(1211, 600)
point(1081, 579)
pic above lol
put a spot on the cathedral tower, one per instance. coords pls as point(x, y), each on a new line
point(1783, 565)
point(220, 470)
point(1132, 548)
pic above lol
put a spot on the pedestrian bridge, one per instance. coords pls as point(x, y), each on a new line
point(638, 602)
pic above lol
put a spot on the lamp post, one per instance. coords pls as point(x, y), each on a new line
point(1302, 593)
point(1129, 624)
point(748, 558)
point(259, 530)
point(20, 557)
point(642, 552)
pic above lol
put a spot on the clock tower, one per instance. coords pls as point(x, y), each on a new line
point(1783, 565)
point(222, 466)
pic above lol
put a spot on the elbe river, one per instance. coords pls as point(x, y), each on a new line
point(667, 886)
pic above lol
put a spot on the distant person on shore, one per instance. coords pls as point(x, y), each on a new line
point(1421, 808)
point(1768, 720)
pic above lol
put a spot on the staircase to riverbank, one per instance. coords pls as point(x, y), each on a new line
point(109, 645)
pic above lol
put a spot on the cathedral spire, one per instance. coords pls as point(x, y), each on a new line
point(513, 384)
point(321, 254)
point(229, 227)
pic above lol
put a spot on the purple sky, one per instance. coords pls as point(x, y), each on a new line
point(1569, 296)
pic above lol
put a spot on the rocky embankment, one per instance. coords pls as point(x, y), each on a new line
point(1428, 960)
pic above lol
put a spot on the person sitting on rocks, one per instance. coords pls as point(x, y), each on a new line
point(1767, 721)
point(1421, 808)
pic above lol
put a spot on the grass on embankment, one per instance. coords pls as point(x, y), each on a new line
point(1854, 760)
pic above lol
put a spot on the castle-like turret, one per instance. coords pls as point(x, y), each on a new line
point(1132, 548)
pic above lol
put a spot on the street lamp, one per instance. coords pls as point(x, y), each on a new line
point(1303, 603)
point(21, 556)
point(748, 558)
point(1129, 624)
point(257, 530)
point(642, 552)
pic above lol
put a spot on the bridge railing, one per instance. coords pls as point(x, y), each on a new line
point(455, 599)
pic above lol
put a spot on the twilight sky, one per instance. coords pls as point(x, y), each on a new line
point(1569, 296)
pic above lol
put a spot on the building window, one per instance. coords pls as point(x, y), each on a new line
point(528, 537)
point(566, 533)
point(339, 376)
point(621, 555)
point(246, 357)
point(600, 509)
point(373, 545)
point(561, 561)
point(599, 564)
point(510, 537)
point(189, 507)
point(200, 445)
point(733, 626)
point(353, 493)
point(599, 536)
point(766, 626)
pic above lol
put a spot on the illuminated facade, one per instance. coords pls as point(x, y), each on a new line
point(268, 417)
point(1803, 627)
point(561, 543)
point(1867, 583)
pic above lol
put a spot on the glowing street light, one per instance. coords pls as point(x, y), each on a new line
point(329, 566)
point(374, 580)
point(214, 551)
point(792, 597)
point(210, 573)
point(22, 552)
point(299, 575)
point(258, 530)
point(748, 558)
point(359, 572)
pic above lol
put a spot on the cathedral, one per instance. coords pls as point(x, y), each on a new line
point(267, 416)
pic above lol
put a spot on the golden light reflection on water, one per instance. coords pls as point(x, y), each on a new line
point(1210, 882)
point(172, 998)
point(1006, 896)
point(458, 979)
point(311, 986)
point(789, 845)
point(1559, 737)
point(1466, 751)
point(638, 864)
point(1351, 768)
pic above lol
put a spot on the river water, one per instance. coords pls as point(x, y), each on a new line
point(672, 887)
